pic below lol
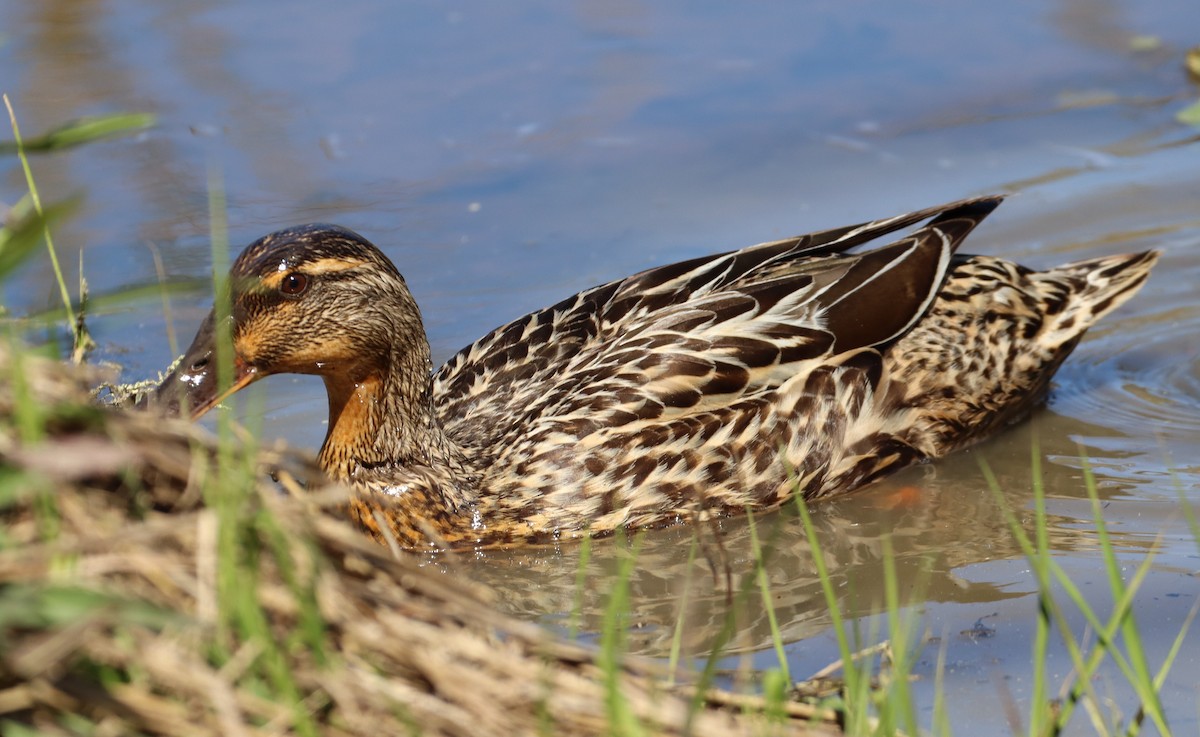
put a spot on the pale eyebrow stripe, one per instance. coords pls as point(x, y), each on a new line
point(315, 268)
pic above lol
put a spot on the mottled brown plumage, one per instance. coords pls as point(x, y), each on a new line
point(685, 391)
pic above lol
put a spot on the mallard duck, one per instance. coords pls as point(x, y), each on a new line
point(685, 391)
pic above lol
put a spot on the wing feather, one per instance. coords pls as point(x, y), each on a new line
point(698, 334)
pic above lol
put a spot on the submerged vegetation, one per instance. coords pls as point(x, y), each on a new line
point(157, 579)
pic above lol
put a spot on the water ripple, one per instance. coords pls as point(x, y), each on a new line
point(1139, 379)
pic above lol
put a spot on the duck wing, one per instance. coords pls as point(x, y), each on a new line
point(702, 333)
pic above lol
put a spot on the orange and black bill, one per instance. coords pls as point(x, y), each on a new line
point(192, 389)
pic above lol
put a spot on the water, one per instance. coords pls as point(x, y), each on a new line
point(508, 156)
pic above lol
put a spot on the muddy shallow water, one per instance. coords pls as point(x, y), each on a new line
point(506, 157)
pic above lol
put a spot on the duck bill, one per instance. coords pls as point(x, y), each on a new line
point(192, 388)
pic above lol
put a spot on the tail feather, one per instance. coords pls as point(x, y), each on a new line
point(1079, 294)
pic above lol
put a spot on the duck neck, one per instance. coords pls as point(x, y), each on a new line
point(382, 424)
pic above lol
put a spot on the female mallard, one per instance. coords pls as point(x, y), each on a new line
point(685, 391)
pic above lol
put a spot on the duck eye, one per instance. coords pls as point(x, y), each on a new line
point(294, 284)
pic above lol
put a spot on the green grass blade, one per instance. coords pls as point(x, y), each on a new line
point(681, 617)
point(1106, 633)
point(1040, 713)
point(764, 586)
point(1047, 570)
point(723, 637)
point(20, 238)
point(585, 556)
point(1161, 677)
point(940, 724)
point(857, 687)
point(219, 234)
point(899, 698)
point(37, 206)
point(311, 633)
point(1141, 679)
point(622, 720)
point(1042, 722)
point(119, 299)
point(80, 131)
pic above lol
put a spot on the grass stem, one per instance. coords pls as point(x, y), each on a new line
point(37, 206)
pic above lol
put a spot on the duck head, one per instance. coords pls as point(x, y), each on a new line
point(314, 299)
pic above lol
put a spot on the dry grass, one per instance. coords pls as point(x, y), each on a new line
point(113, 615)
